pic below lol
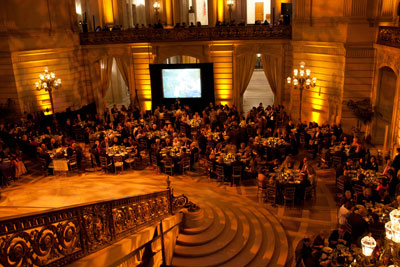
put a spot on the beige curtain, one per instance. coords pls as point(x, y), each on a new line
point(123, 66)
point(102, 69)
point(270, 66)
point(105, 74)
point(244, 67)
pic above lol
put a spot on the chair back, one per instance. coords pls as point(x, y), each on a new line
point(103, 161)
point(117, 159)
point(219, 170)
point(153, 159)
point(289, 192)
point(340, 185)
point(237, 171)
point(168, 162)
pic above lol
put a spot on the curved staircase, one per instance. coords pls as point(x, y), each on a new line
point(230, 230)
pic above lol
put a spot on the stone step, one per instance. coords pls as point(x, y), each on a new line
point(208, 220)
point(227, 253)
point(216, 244)
point(280, 257)
point(210, 233)
point(268, 248)
point(253, 245)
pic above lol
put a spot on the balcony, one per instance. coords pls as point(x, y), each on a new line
point(389, 36)
point(254, 32)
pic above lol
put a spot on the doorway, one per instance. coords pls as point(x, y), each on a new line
point(258, 91)
point(384, 106)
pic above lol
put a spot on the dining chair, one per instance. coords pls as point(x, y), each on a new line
point(118, 163)
point(72, 163)
point(236, 174)
point(104, 164)
point(169, 166)
point(185, 163)
point(289, 193)
point(271, 194)
point(219, 171)
point(130, 161)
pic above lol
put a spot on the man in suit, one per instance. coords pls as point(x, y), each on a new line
point(339, 236)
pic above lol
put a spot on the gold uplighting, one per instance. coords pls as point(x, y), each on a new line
point(108, 12)
point(302, 79)
point(48, 82)
point(220, 8)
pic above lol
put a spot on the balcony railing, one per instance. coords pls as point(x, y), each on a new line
point(61, 236)
point(389, 36)
point(256, 32)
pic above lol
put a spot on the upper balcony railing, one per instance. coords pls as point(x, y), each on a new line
point(256, 32)
point(389, 36)
point(61, 236)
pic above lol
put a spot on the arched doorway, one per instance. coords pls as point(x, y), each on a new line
point(386, 91)
point(259, 90)
point(118, 92)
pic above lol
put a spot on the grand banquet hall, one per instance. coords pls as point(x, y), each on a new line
point(199, 133)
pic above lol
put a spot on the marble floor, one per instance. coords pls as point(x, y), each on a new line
point(36, 192)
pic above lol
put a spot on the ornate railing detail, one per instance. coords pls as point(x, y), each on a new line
point(61, 236)
point(256, 32)
point(389, 36)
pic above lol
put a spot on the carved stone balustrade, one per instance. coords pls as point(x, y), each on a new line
point(256, 32)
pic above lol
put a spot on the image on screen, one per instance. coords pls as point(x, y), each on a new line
point(181, 83)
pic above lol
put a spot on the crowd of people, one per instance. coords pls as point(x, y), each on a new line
point(263, 142)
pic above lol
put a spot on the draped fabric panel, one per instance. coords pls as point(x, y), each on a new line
point(271, 67)
point(244, 67)
point(123, 66)
point(102, 69)
point(105, 74)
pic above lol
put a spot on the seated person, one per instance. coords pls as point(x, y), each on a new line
point(53, 144)
point(347, 196)
point(339, 236)
point(365, 197)
point(383, 196)
point(372, 164)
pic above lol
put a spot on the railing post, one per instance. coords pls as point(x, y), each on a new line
point(164, 262)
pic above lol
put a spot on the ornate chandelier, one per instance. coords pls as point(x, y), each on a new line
point(48, 82)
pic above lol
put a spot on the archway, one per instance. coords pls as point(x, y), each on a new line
point(118, 91)
point(386, 91)
point(181, 59)
point(258, 90)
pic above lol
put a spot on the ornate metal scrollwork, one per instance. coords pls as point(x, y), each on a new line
point(389, 36)
point(40, 246)
point(60, 237)
point(257, 32)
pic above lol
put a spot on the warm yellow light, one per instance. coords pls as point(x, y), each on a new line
point(108, 12)
point(78, 7)
point(220, 7)
point(156, 5)
point(315, 116)
point(147, 105)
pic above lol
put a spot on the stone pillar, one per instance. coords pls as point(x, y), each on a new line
point(168, 12)
point(212, 13)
